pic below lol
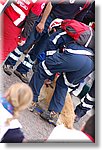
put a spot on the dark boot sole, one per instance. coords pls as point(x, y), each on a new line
point(21, 78)
point(48, 120)
point(7, 72)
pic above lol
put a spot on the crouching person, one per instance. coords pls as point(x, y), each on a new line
point(16, 99)
point(73, 64)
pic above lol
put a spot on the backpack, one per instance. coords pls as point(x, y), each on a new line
point(80, 32)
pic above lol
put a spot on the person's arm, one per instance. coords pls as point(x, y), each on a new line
point(34, 13)
point(40, 26)
point(27, 27)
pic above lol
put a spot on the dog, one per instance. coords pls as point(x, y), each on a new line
point(67, 115)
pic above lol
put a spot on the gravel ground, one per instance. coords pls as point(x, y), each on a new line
point(34, 127)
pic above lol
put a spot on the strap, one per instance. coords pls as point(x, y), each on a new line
point(84, 7)
point(81, 52)
point(67, 82)
point(86, 4)
point(91, 34)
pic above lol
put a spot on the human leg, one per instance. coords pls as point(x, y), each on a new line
point(32, 55)
point(76, 70)
point(58, 99)
point(39, 47)
point(86, 104)
point(34, 37)
point(42, 45)
point(75, 73)
point(24, 67)
point(16, 53)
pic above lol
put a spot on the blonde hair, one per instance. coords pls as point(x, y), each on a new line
point(20, 96)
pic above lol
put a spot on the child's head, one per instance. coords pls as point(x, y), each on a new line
point(19, 95)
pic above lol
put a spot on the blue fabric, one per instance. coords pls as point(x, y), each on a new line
point(6, 105)
point(58, 99)
point(69, 11)
point(41, 57)
point(34, 35)
point(33, 38)
point(39, 48)
point(13, 136)
point(76, 66)
point(43, 46)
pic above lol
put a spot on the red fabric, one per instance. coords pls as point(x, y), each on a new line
point(86, 4)
point(2, 2)
point(22, 10)
point(16, 14)
point(93, 25)
point(89, 136)
point(74, 28)
point(38, 7)
point(9, 37)
point(22, 38)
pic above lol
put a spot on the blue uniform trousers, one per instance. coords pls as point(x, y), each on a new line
point(33, 38)
point(76, 67)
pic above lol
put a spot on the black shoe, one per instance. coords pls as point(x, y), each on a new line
point(80, 111)
point(23, 77)
point(51, 117)
point(8, 69)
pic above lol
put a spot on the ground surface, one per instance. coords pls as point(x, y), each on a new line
point(34, 127)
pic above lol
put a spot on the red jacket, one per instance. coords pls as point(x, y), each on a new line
point(18, 11)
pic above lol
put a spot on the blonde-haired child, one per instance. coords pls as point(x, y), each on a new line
point(16, 99)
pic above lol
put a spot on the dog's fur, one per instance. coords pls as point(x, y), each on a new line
point(20, 96)
point(67, 115)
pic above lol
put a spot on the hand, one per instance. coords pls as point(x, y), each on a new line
point(47, 82)
point(40, 27)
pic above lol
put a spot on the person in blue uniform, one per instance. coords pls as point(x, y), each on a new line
point(74, 63)
point(63, 10)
